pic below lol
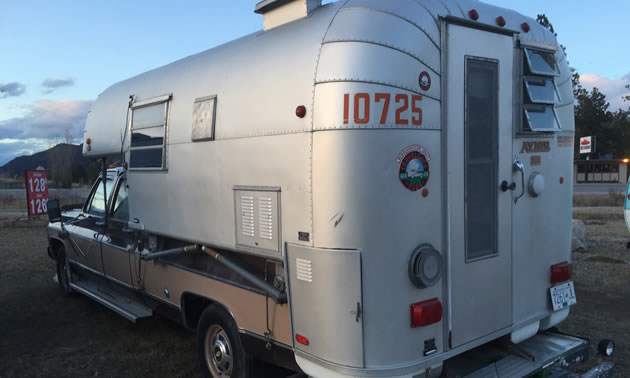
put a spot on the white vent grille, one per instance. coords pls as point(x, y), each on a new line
point(304, 270)
point(247, 216)
point(265, 218)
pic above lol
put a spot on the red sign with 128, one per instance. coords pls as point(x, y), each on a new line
point(36, 192)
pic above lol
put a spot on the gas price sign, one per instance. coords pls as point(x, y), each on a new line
point(36, 192)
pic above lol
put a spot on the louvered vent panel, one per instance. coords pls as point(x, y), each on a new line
point(247, 216)
point(304, 270)
point(265, 218)
point(257, 220)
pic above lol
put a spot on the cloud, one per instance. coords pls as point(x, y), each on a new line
point(51, 85)
point(12, 89)
point(48, 119)
point(613, 89)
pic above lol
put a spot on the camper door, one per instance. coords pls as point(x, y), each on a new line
point(479, 79)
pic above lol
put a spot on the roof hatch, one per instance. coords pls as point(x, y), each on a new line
point(280, 12)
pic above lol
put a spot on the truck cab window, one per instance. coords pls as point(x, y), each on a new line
point(96, 205)
point(121, 206)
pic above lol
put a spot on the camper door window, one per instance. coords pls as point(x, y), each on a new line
point(148, 133)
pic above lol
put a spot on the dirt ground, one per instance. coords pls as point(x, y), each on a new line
point(45, 334)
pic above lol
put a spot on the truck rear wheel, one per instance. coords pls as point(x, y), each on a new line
point(62, 273)
point(219, 346)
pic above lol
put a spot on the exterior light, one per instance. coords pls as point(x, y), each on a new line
point(606, 347)
point(474, 15)
point(561, 272)
point(625, 160)
point(525, 27)
point(300, 111)
point(501, 21)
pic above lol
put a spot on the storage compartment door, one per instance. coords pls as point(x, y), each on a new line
point(325, 297)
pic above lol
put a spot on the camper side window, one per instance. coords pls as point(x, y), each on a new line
point(148, 134)
point(540, 93)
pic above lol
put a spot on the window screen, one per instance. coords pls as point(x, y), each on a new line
point(481, 152)
point(540, 118)
point(541, 62)
point(148, 132)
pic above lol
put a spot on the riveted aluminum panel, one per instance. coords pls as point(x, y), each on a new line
point(361, 203)
point(359, 24)
point(387, 66)
point(329, 113)
point(324, 307)
point(408, 10)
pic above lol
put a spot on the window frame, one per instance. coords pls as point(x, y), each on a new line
point(556, 71)
point(529, 122)
point(526, 79)
point(164, 100)
point(122, 179)
point(88, 202)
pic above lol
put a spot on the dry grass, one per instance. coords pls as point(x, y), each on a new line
point(612, 198)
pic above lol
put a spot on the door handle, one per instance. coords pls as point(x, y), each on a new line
point(518, 166)
point(505, 186)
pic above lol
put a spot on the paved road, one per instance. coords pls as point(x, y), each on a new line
point(598, 188)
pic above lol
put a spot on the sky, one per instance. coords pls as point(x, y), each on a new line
point(57, 56)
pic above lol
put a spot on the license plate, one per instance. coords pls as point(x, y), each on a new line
point(562, 296)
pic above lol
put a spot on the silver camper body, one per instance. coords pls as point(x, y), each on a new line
point(378, 156)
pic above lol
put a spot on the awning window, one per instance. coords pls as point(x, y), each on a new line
point(542, 90)
point(540, 118)
point(541, 62)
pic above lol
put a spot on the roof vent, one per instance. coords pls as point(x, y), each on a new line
point(280, 12)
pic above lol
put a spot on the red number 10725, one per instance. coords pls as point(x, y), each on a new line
point(362, 102)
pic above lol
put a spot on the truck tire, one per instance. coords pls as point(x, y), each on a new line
point(62, 273)
point(219, 347)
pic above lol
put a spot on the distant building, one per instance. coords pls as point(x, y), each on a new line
point(600, 171)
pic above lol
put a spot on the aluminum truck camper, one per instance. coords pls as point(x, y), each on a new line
point(362, 188)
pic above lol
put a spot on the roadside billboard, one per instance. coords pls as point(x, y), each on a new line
point(587, 145)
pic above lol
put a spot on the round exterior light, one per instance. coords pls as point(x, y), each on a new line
point(425, 266)
point(473, 14)
point(300, 111)
point(525, 27)
point(606, 347)
point(501, 21)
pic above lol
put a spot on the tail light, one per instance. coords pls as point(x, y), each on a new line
point(561, 272)
point(425, 313)
point(301, 339)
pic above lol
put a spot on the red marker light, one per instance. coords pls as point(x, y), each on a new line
point(629, 196)
point(501, 21)
point(301, 339)
point(88, 147)
point(426, 312)
point(561, 180)
point(561, 272)
point(88, 141)
point(473, 14)
point(425, 192)
point(300, 111)
point(525, 27)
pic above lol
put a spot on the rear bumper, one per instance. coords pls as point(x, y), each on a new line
point(543, 351)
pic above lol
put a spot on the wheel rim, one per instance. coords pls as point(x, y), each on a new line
point(218, 352)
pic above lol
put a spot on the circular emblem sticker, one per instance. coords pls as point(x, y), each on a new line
point(414, 167)
point(424, 81)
